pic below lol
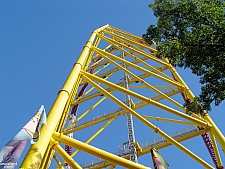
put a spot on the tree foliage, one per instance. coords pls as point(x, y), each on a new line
point(191, 33)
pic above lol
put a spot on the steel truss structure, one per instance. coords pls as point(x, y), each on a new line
point(120, 86)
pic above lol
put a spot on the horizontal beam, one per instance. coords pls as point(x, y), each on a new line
point(143, 98)
point(147, 123)
point(157, 147)
point(117, 112)
point(168, 120)
point(55, 145)
point(96, 151)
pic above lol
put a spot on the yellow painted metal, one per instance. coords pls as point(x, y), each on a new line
point(91, 124)
point(164, 144)
point(164, 87)
point(138, 87)
point(112, 166)
point(134, 37)
point(102, 53)
point(179, 139)
point(66, 131)
point(141, 68)
point(150, 101)
point(96, 152)
point(219, 162)
point(215, 130)
point(113, 42)
point(45, 163)
point(116, 69)
point(92, 137)
point(55, 145)
point(121, 112)
point(168, 120)
point(78, 101)
point(96, 134)
point(38, 149)
point(85, 113)
point(139, 79)
point(147, 123)
point(57, 161)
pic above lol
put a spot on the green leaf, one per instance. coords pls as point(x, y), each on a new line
point(191, 34)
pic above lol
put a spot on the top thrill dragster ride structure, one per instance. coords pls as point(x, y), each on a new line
point(119, 86)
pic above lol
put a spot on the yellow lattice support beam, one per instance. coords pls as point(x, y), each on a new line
point(36, 152)
point(113, 65)
point(97, 152)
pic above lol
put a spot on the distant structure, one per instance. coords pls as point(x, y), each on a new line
point(119, 86)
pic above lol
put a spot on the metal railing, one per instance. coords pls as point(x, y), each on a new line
point(120, 83)
point(114, 112)
point(147, 145)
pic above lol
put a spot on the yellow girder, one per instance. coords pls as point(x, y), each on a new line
point(153, 87)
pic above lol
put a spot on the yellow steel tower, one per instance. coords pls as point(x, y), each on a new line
point(111, 106)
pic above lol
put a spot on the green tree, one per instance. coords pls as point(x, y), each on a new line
point(191, 33)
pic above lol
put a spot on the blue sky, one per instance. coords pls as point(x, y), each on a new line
point(41, 40)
